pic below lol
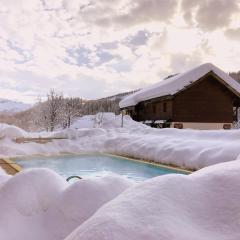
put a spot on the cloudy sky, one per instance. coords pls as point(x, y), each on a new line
point(95, 48)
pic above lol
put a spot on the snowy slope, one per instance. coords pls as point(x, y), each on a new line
point(177, 83)
point(9, 106)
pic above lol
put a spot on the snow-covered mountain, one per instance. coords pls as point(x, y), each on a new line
point(9, 106)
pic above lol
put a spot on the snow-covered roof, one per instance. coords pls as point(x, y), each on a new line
point(177, 83)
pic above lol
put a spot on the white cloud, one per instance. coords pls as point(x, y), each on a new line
point(95, 48)
point(210, 14)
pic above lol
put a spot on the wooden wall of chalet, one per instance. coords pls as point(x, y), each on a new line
point(154, 110)
point(206, 101)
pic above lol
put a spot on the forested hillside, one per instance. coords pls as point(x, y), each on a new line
point(59, 111)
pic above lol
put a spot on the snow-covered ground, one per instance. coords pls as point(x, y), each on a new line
point(38, 204)
point(185, 148)
point(106, 121)
point(41, 205)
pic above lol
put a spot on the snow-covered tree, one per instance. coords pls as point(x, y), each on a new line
point(72, 109)
point(51, 111)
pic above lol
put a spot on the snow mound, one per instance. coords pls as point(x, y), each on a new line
point(84, 122)
point(39, 204)
point(204, 205)
point(193, 149)
point(10, 131)
point(67, 133)
point(106, 120)
point(91, 132)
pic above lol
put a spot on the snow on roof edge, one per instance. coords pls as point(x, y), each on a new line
point(176, 83)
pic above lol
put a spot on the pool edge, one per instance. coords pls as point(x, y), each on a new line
point(9, 166)
point(156, 164)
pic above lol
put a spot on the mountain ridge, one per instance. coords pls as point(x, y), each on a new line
point(11, 106)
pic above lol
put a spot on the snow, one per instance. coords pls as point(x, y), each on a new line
point(204, 205)
point(10, 131)
point(9, 106)
point(193, 149)
point(106, 121)
point(38, 204)
point(84, 122)
point(2, 172)
point(177, 83)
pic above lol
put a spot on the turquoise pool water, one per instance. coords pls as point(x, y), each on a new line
point(95, 165)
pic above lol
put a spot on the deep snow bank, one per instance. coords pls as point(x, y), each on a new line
point(39, 204)
point(10, 131)
point(204, 205)
point(192, 149)
point(106, 120)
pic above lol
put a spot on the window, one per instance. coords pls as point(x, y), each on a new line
point(165, 107)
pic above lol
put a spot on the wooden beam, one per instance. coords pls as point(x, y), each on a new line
point(36, 140)
point(9, 167)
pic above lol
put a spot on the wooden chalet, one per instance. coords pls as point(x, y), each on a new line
point(202, 98)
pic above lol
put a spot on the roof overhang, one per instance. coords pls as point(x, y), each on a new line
point(151, 100)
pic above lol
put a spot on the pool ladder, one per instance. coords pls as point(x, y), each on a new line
point(71, 177)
